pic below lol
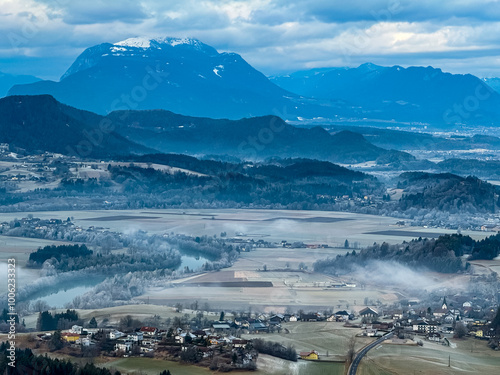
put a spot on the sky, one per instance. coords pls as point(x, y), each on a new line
point(43, 37)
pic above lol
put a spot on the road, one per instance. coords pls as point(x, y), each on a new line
point(359, 355)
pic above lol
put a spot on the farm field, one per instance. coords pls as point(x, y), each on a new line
point(314, 227)
point(267, 365)
point(292, 288)
point(141, 312)
point(19, 249)
point(275, 366)
point(471, 356)
point(256, 288)
point(324, 337)
point(151, 366)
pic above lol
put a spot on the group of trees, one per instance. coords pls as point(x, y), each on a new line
point(448, 192)
point(48, 322)
point(58, 252)
point(441, 255)
point(29, 363)
point(488, 249)
point(275, 349)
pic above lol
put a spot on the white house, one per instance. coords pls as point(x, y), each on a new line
point(125, 346)
point(135, 336)
point(76, 329)
point(113, 335)
point(85, 341)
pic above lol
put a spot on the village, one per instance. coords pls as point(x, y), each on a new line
point(235, 343)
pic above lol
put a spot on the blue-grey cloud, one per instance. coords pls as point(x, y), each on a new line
point(272, 35)
point(98, 11)
point(390, 10)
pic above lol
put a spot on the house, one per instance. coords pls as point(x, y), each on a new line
point(342, 315)
point(420, 327)
point(125, 346)
point(439, 313)
point(434, 337)
point(220, 327)
point(135, 336)
point(258, 327)
point(451, 316)
point(485, 333)
point(200, 334)
point(70, 337)
point(310, 317)
point(292, 318)
point(370, 332)
point(181, 339)
point(239, 343)
point(398, 314)
point(383, 326)
point(149, 331)
point(113, 335)
point(368, 312)
point(490, 228)
point(278, 318)
point(84, 341)
point(241, 322)
point(312, 355)
point(76, 329)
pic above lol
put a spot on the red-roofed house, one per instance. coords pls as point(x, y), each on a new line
point(149, 331)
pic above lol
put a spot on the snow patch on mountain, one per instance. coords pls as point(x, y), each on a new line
point(142, 42)
point(217, 69)
point(135, 42)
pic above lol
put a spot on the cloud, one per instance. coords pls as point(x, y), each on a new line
point(97, 11)
point(273, 35)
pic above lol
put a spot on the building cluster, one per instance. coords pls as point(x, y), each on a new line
point(458, 319)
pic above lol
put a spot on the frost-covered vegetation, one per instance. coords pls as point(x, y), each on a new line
point(444, 254)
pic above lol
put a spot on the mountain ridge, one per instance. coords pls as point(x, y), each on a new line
point(41, 123)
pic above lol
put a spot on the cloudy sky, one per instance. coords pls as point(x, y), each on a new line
point(43, 37)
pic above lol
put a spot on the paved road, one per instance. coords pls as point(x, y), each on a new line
point(362, 352)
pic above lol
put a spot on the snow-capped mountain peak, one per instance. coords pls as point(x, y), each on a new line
point(135, 42)
point(145, 43)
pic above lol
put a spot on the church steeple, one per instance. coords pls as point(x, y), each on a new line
point(445, 305)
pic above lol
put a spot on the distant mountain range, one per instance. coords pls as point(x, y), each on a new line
point(9, 80)
point(414, 94)
point(189, 77)
point(40, 123)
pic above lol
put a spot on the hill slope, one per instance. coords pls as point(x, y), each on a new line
point(249, 138)
point(40, 123)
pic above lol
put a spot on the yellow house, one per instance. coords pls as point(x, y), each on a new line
point(479, 333)
point(70, 337)
point(312, 355)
